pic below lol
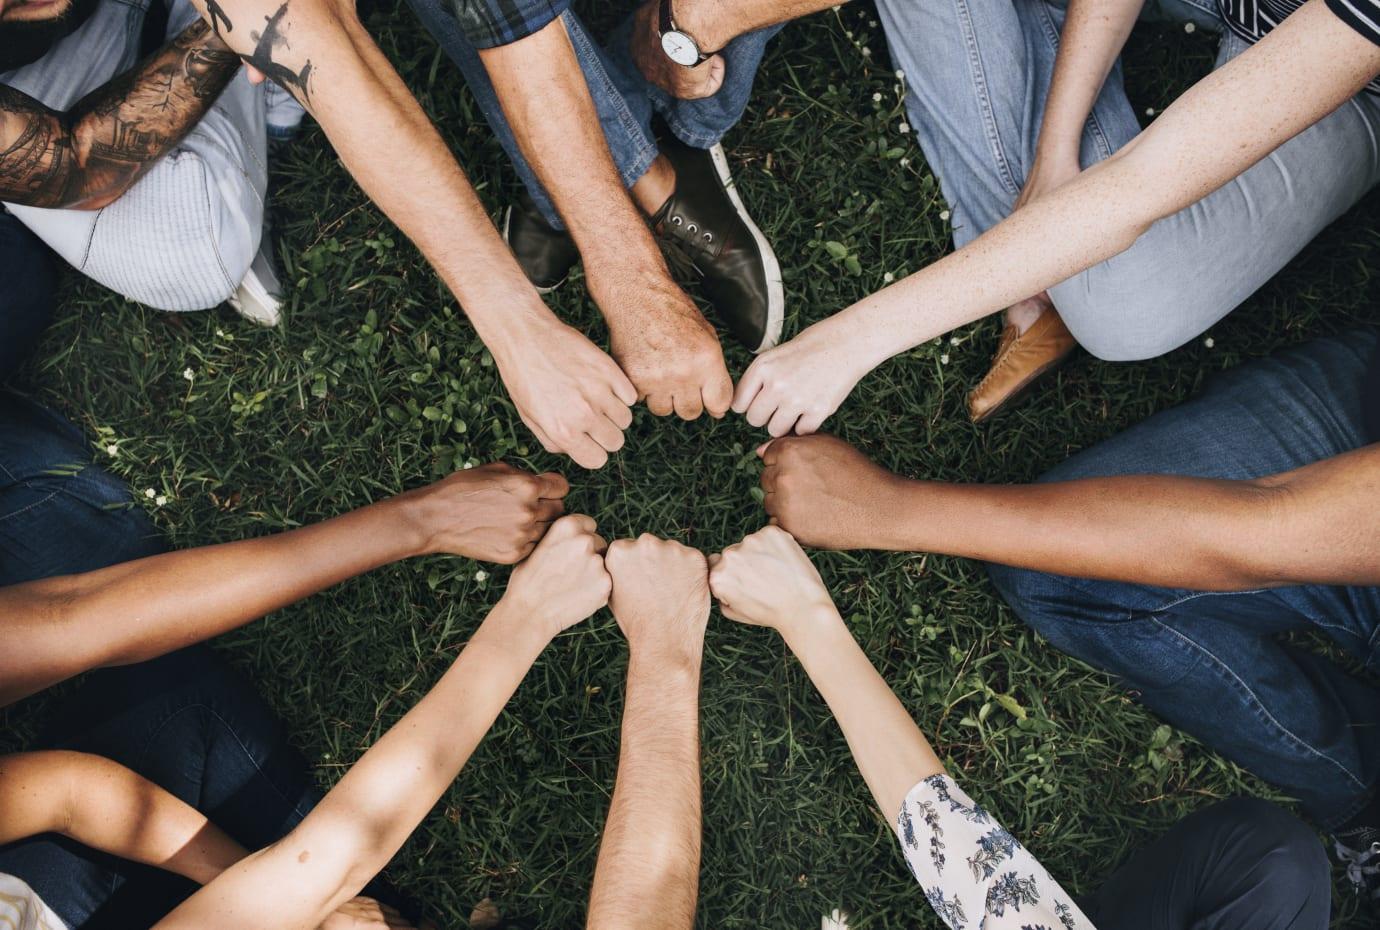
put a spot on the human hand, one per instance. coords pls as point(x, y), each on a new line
point(703, 80)
point(826, 493)
point(799, 384)
point(660, 595)
point(1048, 173)
point(767, 580)
point(665, 345)
point(365, 914)
point(493, 513)
point(572, 396)
point(562, 582)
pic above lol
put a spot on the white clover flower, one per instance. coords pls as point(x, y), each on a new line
point(1149, 111)
point(150, 493)
point(112, 450)
point(188, 374)
point(1208, 342)
point(468, 465)
point(904, 162)
point(1190, 28)
point(944, 215)
point(953, 340)
point(944, 359)
point(160, 500)
point(835, 7)
point(867, 52)
point(481, 575)
point(900, 75)
point(220, 333)
point(888, 277)
point(877, 97)
point(903, 128)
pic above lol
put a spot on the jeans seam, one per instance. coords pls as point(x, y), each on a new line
point(26, 509)
point(202, 705)
point(1092, 125)
point(586, 52)
point(1232, 679)
point(979, 76)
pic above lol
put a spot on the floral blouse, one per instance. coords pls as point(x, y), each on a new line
point(975, 874)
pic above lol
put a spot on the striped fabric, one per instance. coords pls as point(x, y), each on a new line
point(1251, 19)
point(490, 23)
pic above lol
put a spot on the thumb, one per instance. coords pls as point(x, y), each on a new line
point(718, 70)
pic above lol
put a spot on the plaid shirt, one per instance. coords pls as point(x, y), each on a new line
point(487, 23)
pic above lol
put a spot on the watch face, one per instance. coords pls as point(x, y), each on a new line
point(680, 48)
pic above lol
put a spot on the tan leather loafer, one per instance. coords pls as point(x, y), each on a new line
point(1021, 359)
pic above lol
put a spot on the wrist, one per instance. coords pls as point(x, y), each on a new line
point(408, 524)
point(514, 630)
point(668, 660)
point(813, 630)
point(703, 21)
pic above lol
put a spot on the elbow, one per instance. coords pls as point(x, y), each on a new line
point(1250, 561)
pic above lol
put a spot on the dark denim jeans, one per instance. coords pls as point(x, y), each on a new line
point(185, 721)
point(625, 101)
point(1214, 664)
point(27, 280)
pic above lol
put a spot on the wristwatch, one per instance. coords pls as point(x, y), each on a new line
point(678, 45)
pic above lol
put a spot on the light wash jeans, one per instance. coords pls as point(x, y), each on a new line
point(184, 236)
point(1215, 664)
point(625, 101)
point(978, 73)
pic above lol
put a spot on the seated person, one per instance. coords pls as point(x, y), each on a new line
point(149, 177)
point(1174, 556)
point(1167, 231)
point(576, 119)
point(1245, 862)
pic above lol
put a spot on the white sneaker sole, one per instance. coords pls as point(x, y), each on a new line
point(776, 292)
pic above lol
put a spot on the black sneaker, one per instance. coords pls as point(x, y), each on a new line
point(546, 254)
point(1358, 851)
point(707, 219)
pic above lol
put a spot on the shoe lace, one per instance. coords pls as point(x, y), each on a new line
point(1362, 866)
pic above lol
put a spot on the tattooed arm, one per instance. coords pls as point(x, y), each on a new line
point(87, 157)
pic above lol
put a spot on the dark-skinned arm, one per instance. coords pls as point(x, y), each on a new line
point(1312, 525)
point(89, 156)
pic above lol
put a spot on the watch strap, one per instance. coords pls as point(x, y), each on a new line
point(666, 23)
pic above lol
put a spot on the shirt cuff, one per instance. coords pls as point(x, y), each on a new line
point(491, 23)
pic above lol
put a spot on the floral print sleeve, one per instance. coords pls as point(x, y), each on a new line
point(975, 874)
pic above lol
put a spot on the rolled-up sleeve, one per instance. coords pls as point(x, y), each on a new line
point(1361, 15)
point(976, 875)
point(489, 23)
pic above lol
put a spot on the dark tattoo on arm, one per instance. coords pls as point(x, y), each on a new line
point(215, 15)
point(92, 154)
point(272, 37)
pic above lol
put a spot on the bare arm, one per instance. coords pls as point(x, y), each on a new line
point(366, 817)
point(1206, 534)
point(87, 157)
point(1300, 72)
point(647, 876)
point(58, 627)
point(663, 343)
point(766, 580)
point(105, 806)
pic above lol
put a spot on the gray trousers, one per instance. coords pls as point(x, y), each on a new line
point(183, 237)
point(978, 74)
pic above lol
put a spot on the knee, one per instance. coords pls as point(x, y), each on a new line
point(1128, 311)
point(1280, 856)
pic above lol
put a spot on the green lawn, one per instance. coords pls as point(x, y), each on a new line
point(376, 383)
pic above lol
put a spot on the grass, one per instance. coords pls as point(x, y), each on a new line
point(377, 383)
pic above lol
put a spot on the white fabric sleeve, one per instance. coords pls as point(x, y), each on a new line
point(976, 875)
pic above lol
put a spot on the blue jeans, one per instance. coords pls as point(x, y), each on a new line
point(1213, 664)
point(625, 101)
point(26, 300)
point(185, 721)
point(978, 74)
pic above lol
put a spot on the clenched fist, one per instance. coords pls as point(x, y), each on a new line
point(494, 513)
point(564, 581)
point(827, 494)
point(660, 595)
point(767, 580)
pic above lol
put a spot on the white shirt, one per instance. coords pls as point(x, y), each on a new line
point(976, 875)
point(22, 909)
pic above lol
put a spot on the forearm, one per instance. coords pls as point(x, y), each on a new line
point(891, 752)
point(1166, 530)
point(318, 50)
point(715, 23)
point(363, 821)
point(547, 102)
point(1231, 119)
point(1093, 35)
point(649, 859)
point(105, 806)
point(55, 628)
point(88, 157)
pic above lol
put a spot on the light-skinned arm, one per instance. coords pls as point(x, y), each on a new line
point(1302, 71)
point(53, 629)
point(1313, 525)
point(658, 336)
point(364, 820)
point(767, 580)
point(563, 386)
point(647, 877)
